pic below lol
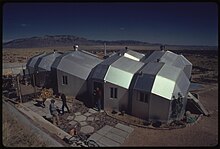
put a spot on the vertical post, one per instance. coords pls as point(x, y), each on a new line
point(34, 85)
point(19, 89)
point(105, 49)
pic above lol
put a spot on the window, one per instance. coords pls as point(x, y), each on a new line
point(65, 80)
point(143, 97)
point(113, 92)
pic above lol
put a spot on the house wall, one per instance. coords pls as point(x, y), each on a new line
point(75, 87)
point(121, 103)
point(30, 70)
point(54, 80)
point(41, 78)
point(181, 113)
point(139, 109)
point(159, 108)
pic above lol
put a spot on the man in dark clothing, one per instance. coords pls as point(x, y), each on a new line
point(63, 97)
point(98, 98)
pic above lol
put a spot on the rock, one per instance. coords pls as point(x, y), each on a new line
point(80, 118)
point(90, 119)
point(83, 123)
point(72, 123)
point(87, 129)
point(87, 114)
point(97, 119)
point(78, 113)
point(70, 118)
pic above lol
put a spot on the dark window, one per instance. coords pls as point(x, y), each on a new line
point(143, 97)
point(114, 92)
point(111, 92)
point(146, 98)
point(65, 80)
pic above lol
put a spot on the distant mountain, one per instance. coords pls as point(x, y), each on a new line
point(70, 40)
point(63, 40)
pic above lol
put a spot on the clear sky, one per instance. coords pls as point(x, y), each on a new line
point(167, 23)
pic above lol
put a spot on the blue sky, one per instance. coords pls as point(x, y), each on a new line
point(167, 23)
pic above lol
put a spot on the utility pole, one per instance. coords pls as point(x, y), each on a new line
point(104, 49)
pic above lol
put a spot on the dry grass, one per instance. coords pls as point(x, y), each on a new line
point(17, 135)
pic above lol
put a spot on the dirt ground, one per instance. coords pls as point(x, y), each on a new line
point(203, 133)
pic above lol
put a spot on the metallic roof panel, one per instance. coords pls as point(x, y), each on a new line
point(47, 61)
point(78, 63)
point(169, 57)
point(134, 55)
point(118, 77)
point(144, 82)
point(99, 72)
point(127, 65)
point(163, 87)
point(152, 68)
point(154, 56)
point(34, 60)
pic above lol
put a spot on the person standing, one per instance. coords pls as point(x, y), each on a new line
point(63, 97)
point(98, 98)
point(54, 113)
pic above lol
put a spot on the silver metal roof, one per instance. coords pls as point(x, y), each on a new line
point(127, 64)
point(101, 69)
point(78, 63)
point(99, 72)
point(152, 68)
point(179, 61)
point(186, 61)
point(33, 60)
point(134, 55)
point(167, 79)
point(58, 59)
point(146, 76)
point(154, 56)
point(110, 60)
point(47, 60)
point(121, 71)
point(169, 57)
point(144, 82)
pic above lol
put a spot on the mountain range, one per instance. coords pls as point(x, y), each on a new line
point(70, 40)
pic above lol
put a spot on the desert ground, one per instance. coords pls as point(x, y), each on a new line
point(202, 133)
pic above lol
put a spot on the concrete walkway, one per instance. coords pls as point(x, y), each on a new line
point(34, 106)
point(106, 136)
point(111, 136)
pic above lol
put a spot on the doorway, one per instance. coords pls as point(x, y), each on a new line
point(100, 86)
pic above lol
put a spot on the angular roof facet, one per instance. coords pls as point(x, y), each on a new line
point(134, 55)
point(47, 60)
point(33, 60)
point(122, 70)
point(78, 63)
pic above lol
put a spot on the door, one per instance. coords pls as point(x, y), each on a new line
point(100, 86)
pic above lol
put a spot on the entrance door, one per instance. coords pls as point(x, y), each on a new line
point(100, 86)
